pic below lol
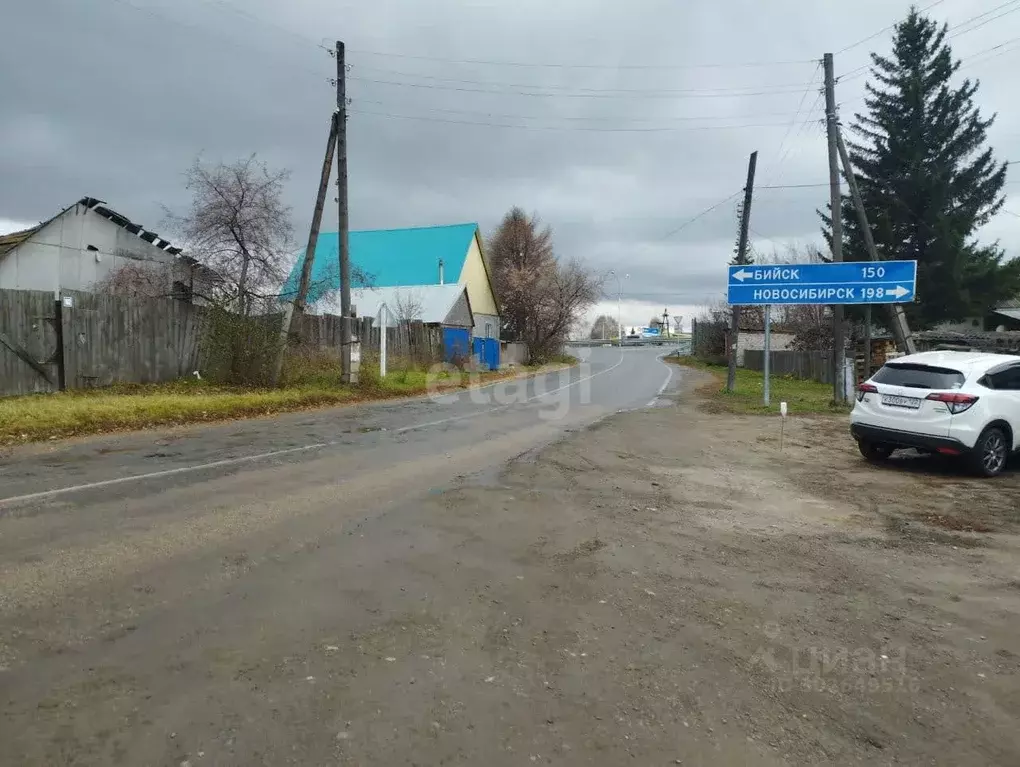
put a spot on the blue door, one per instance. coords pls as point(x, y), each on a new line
point(486, 350)
point(456, 344)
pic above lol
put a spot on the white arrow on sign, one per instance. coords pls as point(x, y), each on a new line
point(742, 275)
point(899, 291)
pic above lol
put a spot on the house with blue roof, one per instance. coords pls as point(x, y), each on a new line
point(409, 258)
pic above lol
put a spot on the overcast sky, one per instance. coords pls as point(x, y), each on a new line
point(615, 122)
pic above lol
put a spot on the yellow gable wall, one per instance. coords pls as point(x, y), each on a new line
point(472, 276)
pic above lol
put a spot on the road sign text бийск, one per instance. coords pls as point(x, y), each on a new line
point(849, 282)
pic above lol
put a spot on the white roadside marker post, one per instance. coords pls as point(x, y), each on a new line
point(782, 423)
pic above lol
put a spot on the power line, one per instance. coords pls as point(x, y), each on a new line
point(959, 27)
point(974, 56)
point(883, 30)
point(496, 84)
point(701, 215)
point(808, 120)
point(782, 145)
point(542, 94)
point(563, 65)
point(576, 118)
point(582, 128)
point(791, 186)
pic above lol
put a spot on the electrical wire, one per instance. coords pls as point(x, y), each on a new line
point(543, 94)
point(655, 91)
point(701, 215)
point(576, 118)
point(582, 128)
point(883, 30)
point(561, 65)
point(789, 130)
point(961, 30)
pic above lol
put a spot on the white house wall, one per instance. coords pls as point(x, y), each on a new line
point(755, 341)
point(57, 257)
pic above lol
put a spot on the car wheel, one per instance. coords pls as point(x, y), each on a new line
point(874, 452)
point(991, 452)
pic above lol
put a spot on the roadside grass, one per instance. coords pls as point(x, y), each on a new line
point(310, 384)
point(801, 397)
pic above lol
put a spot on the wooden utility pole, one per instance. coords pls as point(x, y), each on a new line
point(297, 306)
point(343, 231)
point(745, 224)
point(836, 215)
point(900, 327)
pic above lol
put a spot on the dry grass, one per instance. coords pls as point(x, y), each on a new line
point(308, 384)
point(802, 397)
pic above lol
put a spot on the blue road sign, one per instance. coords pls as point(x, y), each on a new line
point(850, 282)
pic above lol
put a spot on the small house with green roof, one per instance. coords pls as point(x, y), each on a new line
point(410, 258)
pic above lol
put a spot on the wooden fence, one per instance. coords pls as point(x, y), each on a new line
point(412, 342)
point(811, 366)
point(88, 340)
point(115, 339)
point(31, 359)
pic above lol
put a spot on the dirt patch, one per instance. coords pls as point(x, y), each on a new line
point(719, 601)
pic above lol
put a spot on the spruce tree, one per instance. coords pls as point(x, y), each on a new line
point(927, 178)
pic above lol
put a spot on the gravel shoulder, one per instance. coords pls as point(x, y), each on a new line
point(665, 587)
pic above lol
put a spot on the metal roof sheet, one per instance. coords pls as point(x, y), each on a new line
point(431, 304)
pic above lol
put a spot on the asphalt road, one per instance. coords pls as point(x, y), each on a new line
point(158, 590)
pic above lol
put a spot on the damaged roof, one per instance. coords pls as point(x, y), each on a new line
point(10, 241)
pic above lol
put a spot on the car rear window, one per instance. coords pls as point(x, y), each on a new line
point(919, 376)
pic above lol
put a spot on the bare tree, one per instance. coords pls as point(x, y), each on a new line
point(409, 306)
point(238, 225)
point(604, 327)
point(542, 298)
point(141, 279)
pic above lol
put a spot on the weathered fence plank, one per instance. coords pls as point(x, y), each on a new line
point(29, 342)
point(89, 340)
point(116, 339)
point(809, 366)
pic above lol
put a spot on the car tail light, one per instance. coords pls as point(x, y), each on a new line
point(957, 403)
point(866, 388)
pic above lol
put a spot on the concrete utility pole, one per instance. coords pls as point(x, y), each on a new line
point(343, 231)
point(745, 224)
point(900, 327)
point(297, 306)
point(836, 214)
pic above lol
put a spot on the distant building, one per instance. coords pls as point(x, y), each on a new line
point(752, 338)
point(409, 258)
point(86, 243)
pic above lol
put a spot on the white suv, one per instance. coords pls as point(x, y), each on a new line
point(954, 403)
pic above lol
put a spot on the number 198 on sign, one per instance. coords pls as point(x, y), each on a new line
point(871, 293)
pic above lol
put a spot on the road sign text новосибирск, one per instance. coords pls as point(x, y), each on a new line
point(868, 282)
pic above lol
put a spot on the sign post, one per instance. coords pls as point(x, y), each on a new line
point(847, 282)
point(768, 351)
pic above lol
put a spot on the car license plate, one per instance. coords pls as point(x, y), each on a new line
point(895, 400)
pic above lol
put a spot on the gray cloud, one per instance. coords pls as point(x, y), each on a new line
point(113, 98)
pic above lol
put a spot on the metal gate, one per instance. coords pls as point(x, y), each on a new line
point(486, 350)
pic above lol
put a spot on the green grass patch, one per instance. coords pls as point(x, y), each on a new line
point(128, 407)
point(801, 397)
